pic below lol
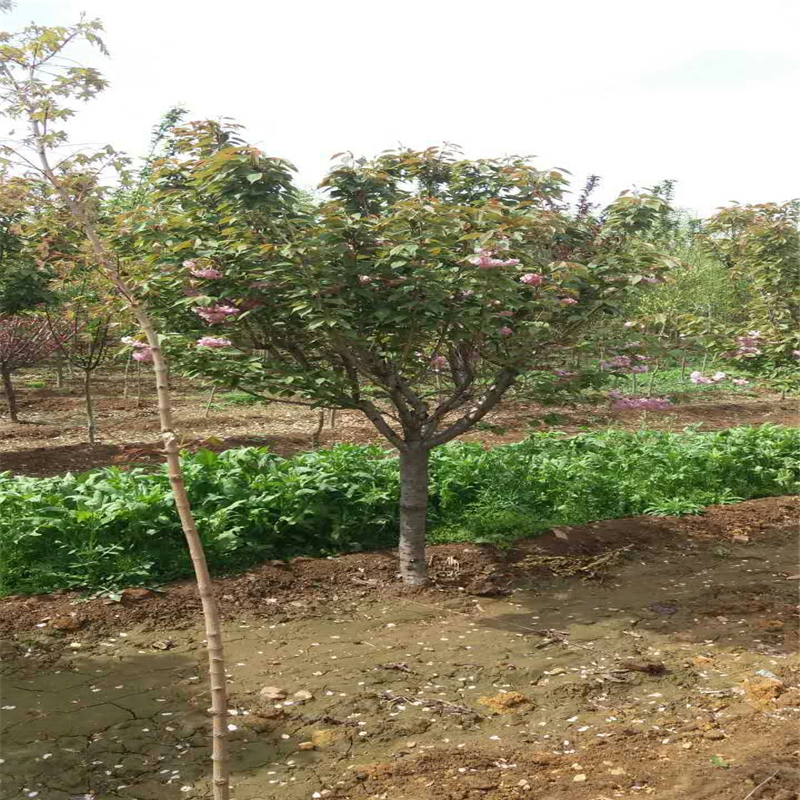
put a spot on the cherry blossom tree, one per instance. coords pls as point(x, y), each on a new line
point(417, 292)
point(25, 340)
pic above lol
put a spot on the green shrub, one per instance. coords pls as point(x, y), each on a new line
point(110, 528)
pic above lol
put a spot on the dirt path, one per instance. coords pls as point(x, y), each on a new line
point(643, 682)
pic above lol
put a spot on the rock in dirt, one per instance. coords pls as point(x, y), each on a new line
point(761, 691)
point(505, 702)
point(273, 693)
point(67, 622)
point(324, 737)
point(306, 746)
point(789, 699)
point(136, 595)
point(713, 735)
point(303, 696)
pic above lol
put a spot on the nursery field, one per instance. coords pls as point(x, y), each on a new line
point(604, 654)
point(52, 438)
point(643, 657)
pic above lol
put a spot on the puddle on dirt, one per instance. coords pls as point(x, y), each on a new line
point(562, 689)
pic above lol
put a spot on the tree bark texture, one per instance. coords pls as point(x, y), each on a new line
point(413, 514)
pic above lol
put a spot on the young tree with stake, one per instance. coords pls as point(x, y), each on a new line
point(38, 82)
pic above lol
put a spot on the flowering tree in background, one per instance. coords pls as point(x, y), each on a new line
point(25, 340)
point(417, 293)
point(760, 247)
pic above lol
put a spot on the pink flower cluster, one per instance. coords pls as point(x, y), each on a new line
point(202, 272)
point(505, 331)
point(485, 259)
point(698, 377)
point(564, 374)
point(531, 279)
point(568, 301)
point(621, 364)
point(141, 350)
point(212, 341)
point(621, 402)
point(215, 314)
point(796, 353)
point(749, 345)
point(439, 362)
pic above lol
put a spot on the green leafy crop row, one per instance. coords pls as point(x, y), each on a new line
point(109, 528)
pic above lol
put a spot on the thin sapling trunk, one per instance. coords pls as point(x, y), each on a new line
point(11, 394)
point(87, 394)
point(210, 401)
point(59, 370)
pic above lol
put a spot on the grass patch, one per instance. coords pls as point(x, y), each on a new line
point(110, 528)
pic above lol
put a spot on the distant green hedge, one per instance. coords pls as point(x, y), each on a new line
point(110, 528)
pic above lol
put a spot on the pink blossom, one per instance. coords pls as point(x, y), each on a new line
point(618, 362)
point(505, 331)
point(698, 377)
point(467, 292)
point(505, 313)
point(189, 264)
point(211, 274)
point(531, 279)
point(144, 354)
point(639, 369)
point(485, 260)
point(740, 382)
point(568, 301)
point(439, 362)
point(796, 353)
point(214, 314)
point(211, 341)
point(364, 279)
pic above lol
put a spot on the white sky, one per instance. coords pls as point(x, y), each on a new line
point(705, 92)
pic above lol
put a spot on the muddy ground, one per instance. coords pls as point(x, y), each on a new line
point(52, 437)
point(631, 658)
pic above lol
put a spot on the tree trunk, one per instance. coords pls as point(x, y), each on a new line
point(125, 378)
point(87, 393)
point(59, 370)
point(205, 586)
point(413, 514)
point(11, 395)
point(210, 401)
point(683, 370)
point(138, 384)
point(318, 432)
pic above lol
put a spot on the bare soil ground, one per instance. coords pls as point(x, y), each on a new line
point(629, 658)
point(52, 438)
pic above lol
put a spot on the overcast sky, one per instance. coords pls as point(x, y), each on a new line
point(705, 92)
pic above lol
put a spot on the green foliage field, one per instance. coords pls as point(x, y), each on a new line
point(110, 528)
